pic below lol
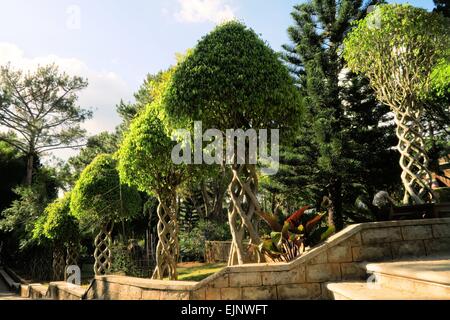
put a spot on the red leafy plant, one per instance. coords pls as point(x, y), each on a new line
point(290, 237)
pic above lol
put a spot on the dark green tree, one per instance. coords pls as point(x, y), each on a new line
point(12, 173)
point(145, 162)
point(99, 200)
point(61, 228)
point(442, 6)
point(399, 54)
point(342, 145)
point(233, 80)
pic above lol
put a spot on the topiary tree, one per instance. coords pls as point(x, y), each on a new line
point(145, 162)
point(99, 200)
point(233, 80)
point(59, 226)
point(397, 47)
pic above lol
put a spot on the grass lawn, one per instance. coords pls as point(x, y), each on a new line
point(194, 271)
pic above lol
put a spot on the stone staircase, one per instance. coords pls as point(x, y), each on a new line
point(420, 279)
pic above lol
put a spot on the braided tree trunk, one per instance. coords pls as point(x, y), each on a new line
point(72, 255)
point(414, 161)
point(244, 207)
point(102, 253)
point(58, 264)
point(167, 250)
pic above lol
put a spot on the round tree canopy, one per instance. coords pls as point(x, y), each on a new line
point(145, 155)
point(60, 225)
point(397, 47)
point(99, 197)
point(233, 80)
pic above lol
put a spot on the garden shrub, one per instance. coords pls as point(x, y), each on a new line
point(192, 244)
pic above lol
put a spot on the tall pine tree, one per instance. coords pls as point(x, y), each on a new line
point(343, 148)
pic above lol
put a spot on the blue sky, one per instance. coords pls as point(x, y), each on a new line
point(116, 43)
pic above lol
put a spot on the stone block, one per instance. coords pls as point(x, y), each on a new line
point(437, 246)
point(441, 230)
point(340, 254)
point(151, 295)
point(353, 271)
point(354, 240)
point(285, 277)
point(323, 272)
point(305, 291)
point(221, 282)
point(374, 253)
point(319, 259)
point(174, 295)
point(131, 293)
point(417, 232)
point(404, 249)
point(213, 294)
point(381, 235)
point(259, 293)
point(199, 294)
point(240, 280)
point(231, 294)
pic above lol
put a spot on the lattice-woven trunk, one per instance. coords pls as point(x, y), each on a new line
point(72, 254)
point(59, 263)
point(414, 161)
point(167, 250)
point(244, 208)
point(102, 253)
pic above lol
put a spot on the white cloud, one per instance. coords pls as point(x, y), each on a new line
point(105, 88)
point(197, 11)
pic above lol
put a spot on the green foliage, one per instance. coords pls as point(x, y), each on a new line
point(20, 218)
point(192, 242)
point(122, 261)
point(290, 237)
point(41, 108)
point(57, 223)
point(103, 143)
point(440, 80)
point(398, 36)
point(12, 173)
point(145, 155)
point(232, 80)
point(99, 197)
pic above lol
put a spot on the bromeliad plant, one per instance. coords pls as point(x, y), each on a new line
point(289, 238)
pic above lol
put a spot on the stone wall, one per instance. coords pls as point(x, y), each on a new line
point(340, 258)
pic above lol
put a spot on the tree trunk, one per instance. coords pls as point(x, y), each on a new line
point(58, 264)
point(30, 164)
point(414, 161)
point(102, 253)
point(72, 255)
point(337, 218)
point(244, 207)
point(167, 250)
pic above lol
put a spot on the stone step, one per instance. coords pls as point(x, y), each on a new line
point(425, 276)
point(370, 291)
point(14, 286)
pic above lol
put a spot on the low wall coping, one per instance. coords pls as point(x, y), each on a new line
point(72, 289)
point(149, 283)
